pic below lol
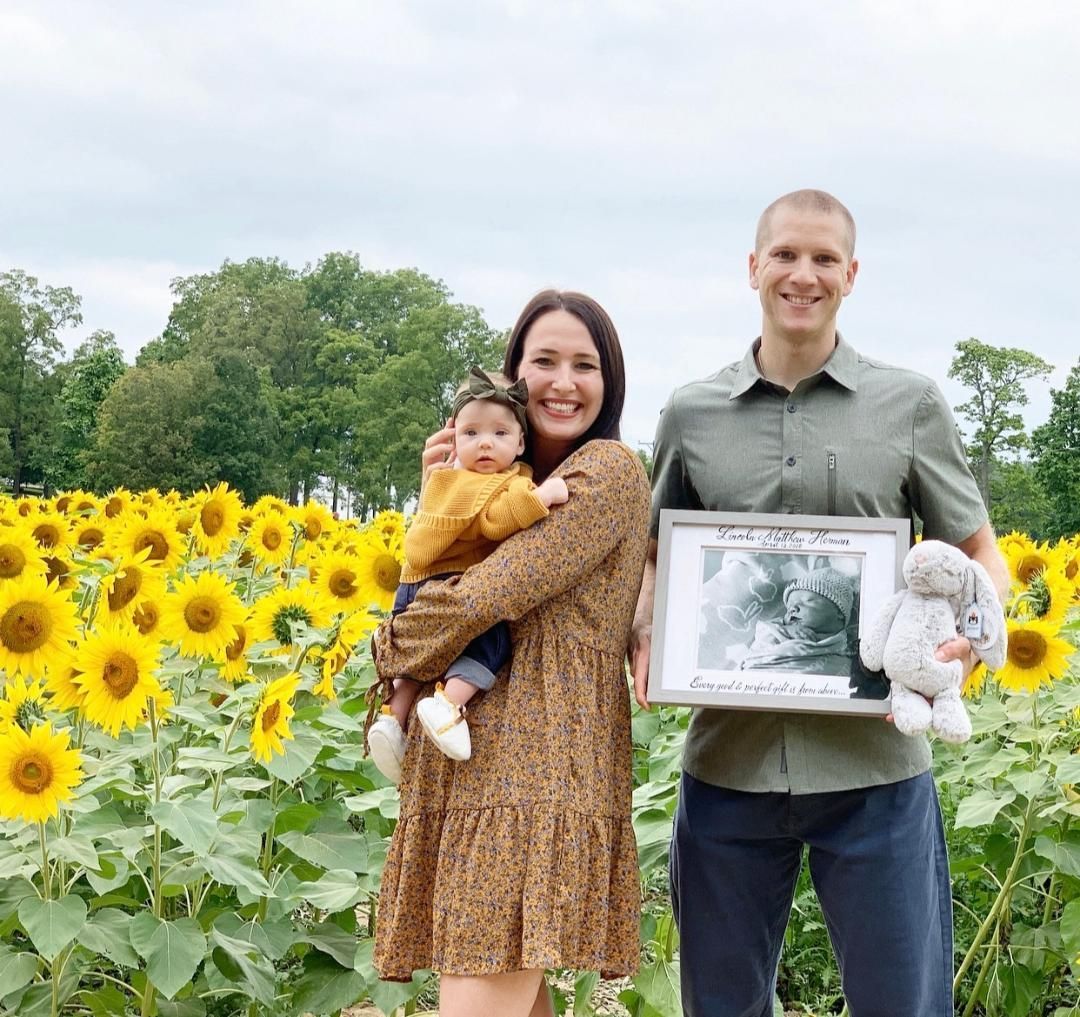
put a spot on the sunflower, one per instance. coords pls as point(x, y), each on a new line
point(89, 534)
point(132, 580)
point(218, 519)
point(37, 625)
point(315, 518)
point(1027, 561)
point(1070, 554)
point(147, 618)
point(236, 665)
point(1014, 541)
point(37, 772)
point(21, 703)
point(390, 525)
point(270, 723)
point(59, 571)
point(64, 694)
point(270, 538)
point(201, 615)
point(272, 616)
point(973, 684)
point(117, 501)
point(156, 531)
point(270, 503)
point(337, 577)
point(1036, 656)
point(51, 530)
point(19, 554)
point(352, 629)
point(83, 503)
point(1048, 597)
point(115, 670)
point(379, 569)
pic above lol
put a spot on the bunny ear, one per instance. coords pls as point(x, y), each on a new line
point(991, 647)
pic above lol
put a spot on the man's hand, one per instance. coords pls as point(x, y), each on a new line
point(638, 656)
point(637, 653)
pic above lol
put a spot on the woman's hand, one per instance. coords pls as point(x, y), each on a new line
point(439, 452)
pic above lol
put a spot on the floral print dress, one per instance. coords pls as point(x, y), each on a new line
point(524, 857)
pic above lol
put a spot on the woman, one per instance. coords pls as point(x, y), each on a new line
point(523, 858)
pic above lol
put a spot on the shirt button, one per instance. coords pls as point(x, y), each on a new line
point(790, 460)
point(791, 407)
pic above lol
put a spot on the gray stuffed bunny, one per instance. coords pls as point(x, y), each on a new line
point(948, 594)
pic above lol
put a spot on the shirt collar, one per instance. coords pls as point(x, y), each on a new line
point(842, 367)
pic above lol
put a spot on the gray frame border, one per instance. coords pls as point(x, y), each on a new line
point(670, 518)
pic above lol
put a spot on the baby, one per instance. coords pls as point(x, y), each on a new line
point(463, 514)
point(813, 637)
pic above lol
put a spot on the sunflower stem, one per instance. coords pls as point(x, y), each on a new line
point(46, 874)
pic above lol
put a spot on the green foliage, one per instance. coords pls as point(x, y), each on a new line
point(996, 375)
point(1019, 500)
point(96, 365)
point(1056, 448)
point(31, 315)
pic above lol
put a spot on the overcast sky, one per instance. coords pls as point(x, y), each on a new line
point(624, 149)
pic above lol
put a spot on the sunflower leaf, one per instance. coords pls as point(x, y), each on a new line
point(172, 950)
point(193, 823)
point(52, 924)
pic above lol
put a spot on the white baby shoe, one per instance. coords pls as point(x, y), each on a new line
point(386, 743)
point(444, 723)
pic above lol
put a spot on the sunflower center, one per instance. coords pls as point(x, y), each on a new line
point(125, 589)
point(236, 647)
point(12, 561)
point(91, 537)
point(1027, 649)
point(155, 540)
point(63, 502)
point(312, 528)
point(113, 507)
point(284, 618)
point(31, 773)
point(270, 715)
point(387, 572)
point(212, 518)
point(1030, 566)
point(1070, 570)
point(202, 614)
point(271, 539)
point(47, 535)
point(145, 618)
point(343, 584)
point(120, 674)
point(25, 627)
point(56, 570)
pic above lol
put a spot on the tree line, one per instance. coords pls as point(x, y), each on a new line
point(282, 380)
point(271, 378)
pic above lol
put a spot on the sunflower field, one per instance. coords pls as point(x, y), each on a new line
point(189, 826)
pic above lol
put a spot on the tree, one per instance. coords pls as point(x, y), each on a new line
point(31, 315)
point(997, 376)
point(1056, 448)
point(1019, 499)
point(95, 366)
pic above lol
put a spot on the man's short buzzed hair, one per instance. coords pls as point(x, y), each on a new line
point(807, 200)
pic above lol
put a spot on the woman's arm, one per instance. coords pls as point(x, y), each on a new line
point(609, 499)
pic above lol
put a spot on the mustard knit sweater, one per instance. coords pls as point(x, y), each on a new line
point(463, 516)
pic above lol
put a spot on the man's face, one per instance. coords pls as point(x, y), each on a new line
point(802, 273)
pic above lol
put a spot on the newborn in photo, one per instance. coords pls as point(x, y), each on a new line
point(812, 637)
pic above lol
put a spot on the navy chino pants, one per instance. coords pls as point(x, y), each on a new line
point(879, 866)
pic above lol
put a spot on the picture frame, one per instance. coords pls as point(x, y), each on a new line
point(764, 611)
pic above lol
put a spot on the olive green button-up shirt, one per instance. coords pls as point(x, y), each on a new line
point(859, 438)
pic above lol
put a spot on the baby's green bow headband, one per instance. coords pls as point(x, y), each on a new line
point(516, 396)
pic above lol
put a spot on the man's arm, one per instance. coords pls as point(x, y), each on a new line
point(641, 633)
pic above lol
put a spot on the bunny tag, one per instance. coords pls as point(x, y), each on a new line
point(973, 621)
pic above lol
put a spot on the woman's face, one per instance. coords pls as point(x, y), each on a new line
point(561, 366)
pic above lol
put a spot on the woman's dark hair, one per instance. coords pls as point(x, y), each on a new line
point(605, 339)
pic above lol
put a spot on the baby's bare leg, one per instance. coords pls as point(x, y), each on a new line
point(401, 700)
point(458, 691)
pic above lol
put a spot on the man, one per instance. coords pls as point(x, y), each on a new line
point(806, 424)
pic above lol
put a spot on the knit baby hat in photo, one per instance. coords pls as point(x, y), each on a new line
point(829, 583)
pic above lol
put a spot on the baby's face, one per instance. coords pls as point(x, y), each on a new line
point(811, 613)
point(487, 436)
